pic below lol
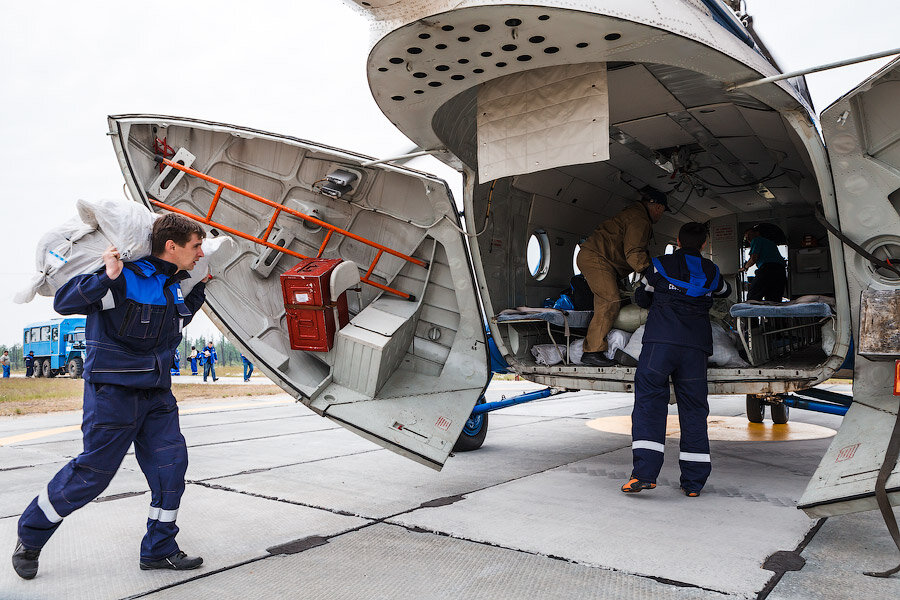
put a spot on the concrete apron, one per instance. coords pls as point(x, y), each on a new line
point(536, 512)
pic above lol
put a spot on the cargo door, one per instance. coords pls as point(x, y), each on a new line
point(408, 367)
point(862, 135)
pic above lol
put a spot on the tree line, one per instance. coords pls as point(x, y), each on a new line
point(227, 353)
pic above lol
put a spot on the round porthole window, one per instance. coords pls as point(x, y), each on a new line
point(538, 254)
point(887, 248)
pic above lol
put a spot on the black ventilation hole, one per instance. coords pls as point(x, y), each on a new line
point(447, 28)
point(441, 46)
point(486, 54)
point(477, 71)
point(482, 28)
point(501, 64)
point(543, 17)
point(424, 36)
point(420, 75)
point(611, 37)
point(551, 50)
point(536, 39)
point(396, 61)
point(457, 77)
point(463, 61)
point(382, 69)
point(509, 47)
point(513, 22)
point(414, 50)
point(464, 38)
point(435, 83)
point(398, 98)
point(442, 68)
point(418, 92)
point(582, 45)
point(524, 58)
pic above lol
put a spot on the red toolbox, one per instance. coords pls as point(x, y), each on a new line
point(312, 315)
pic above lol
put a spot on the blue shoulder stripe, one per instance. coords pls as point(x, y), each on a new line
point(145, 290)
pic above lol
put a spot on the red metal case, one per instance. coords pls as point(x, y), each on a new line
point(313, 316)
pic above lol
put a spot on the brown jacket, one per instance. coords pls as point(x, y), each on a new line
point(622, 241)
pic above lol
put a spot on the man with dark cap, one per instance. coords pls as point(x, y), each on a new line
point(618, 247)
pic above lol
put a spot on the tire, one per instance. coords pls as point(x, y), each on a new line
point(780, 412)
point(75, 367)
point(38, 367)
point(756, 409)
point(473, 434)
point(46, 369)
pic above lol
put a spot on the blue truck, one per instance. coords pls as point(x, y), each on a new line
point(58, 346)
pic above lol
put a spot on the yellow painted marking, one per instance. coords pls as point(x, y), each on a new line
point(727, 429)
point(34, 435)
point(24, 437)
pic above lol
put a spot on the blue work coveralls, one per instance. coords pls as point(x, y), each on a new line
point(209, 364)
point(678, 289)
point(133, 327)
point(248, 367)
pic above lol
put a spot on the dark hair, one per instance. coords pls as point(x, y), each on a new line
point(173, 227)
point(692, 235)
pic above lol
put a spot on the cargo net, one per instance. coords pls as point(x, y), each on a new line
point(279, 209)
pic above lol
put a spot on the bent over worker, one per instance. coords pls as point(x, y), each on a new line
point(617, 247)
point(678, 289)
point(135, 314)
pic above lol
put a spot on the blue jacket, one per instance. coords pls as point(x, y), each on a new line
point(213, 359)
point(133, 323)
point(679, 289)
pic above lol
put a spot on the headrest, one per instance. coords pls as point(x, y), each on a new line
point(343, 277)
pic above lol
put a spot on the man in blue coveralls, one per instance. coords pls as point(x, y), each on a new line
point(248, 367)
point(678, 289)
point(135, 314)
point(209, 362)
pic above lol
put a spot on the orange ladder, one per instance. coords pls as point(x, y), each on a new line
point(207, 220)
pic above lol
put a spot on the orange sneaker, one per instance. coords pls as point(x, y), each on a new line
point(636, 485)
point(690, 493)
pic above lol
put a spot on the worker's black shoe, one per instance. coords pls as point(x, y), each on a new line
point(690, 493)
point(25, 561)
point(636, 485)
point(177, 562)
point(624, 359)
point(596, 359)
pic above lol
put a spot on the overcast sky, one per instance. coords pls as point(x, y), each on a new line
point(293, 67)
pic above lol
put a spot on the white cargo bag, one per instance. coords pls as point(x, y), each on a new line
point(76, 246)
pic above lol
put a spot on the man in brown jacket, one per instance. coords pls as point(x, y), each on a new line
point(617, 247)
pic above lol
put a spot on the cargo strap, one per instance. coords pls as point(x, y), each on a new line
point(884, 504)
point(820, 216)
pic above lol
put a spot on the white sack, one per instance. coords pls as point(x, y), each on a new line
point(546, 354)
point(725, 352)
point(829, 338)
point(63, 252)
point(616, 339)
point(576, 351)
point(127, 225)
point(216, 251)
point(725, 349)
point(633, 347)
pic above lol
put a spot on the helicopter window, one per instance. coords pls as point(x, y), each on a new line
point(539, 254)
